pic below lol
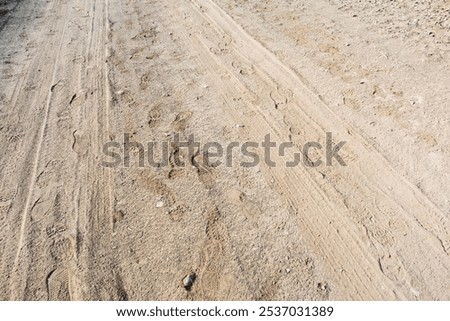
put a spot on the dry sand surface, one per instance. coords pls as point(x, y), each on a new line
point(77, 74)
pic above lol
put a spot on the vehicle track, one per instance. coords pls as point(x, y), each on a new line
point(89, 72)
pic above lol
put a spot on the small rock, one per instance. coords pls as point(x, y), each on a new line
point(189, 280)
point(159, 204)
point(288, 270)
point(120, 92)
point(239, 126)
point(322, 286)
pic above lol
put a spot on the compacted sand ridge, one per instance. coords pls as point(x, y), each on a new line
point(75, 75)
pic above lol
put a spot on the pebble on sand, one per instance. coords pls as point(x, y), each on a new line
point(189, 280)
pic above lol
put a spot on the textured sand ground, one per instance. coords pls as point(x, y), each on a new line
point(77, 74)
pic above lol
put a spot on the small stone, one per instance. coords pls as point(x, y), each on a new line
point(322, 286)
point(288, 270)
point(159, 204)
point(239, 126)
point(120, 92)
point(189, 280)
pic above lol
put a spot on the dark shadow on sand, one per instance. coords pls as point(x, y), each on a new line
point(6, 8)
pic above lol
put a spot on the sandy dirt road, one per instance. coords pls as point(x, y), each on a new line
point(76, 75)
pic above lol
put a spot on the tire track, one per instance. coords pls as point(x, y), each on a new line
point(42, 131)
point(270, 69)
